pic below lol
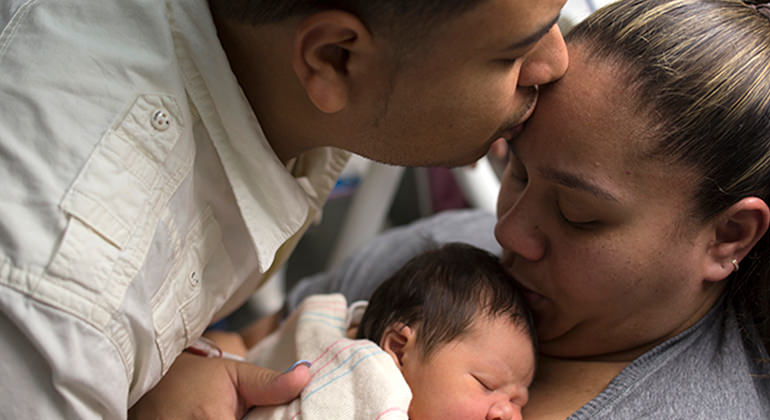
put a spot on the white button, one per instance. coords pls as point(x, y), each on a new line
point(194, 280)
point(160, 119)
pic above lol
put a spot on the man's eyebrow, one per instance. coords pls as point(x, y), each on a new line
point(574, 181)
point(531, 39)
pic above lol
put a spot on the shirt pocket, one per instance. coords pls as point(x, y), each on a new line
point(112, 207)
point(196, 287)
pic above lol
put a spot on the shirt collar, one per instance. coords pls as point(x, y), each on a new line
point(274, 202)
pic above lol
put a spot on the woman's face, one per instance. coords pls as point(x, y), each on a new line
point(598, 233)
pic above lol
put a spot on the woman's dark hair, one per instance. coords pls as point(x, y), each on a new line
point(701, 70)
point(441, 292)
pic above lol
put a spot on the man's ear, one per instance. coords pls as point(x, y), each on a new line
point(737, 230)
point(397, 340)
point(326, 45)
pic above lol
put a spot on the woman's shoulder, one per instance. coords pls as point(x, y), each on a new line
point(706, 372)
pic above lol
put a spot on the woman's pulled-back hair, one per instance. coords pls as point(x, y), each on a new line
point(701, 70)
point(440, 293)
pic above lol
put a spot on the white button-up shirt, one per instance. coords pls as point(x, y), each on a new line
point(140, 199)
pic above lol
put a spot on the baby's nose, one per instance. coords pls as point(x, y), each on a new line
point(502, 410)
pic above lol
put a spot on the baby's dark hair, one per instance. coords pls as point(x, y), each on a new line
point(440, 293)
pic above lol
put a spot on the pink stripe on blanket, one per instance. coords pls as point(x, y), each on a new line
point(325, 305)
point(391, 410)
point(327, 350)
point(318, 370)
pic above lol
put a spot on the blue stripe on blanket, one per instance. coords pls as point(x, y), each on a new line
point(332, 380)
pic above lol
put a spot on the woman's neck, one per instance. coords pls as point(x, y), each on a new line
point(562, 386)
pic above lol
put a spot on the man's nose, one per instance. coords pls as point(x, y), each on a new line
point(548, 62)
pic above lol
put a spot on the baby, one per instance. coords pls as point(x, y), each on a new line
point(446, 337)
point(459, 332)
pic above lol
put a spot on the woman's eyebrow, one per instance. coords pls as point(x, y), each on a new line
point(531, 39)
point(577, 182)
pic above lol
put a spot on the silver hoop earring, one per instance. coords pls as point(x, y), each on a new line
point(734, 262)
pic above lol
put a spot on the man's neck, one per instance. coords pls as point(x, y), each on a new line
point(260, 60)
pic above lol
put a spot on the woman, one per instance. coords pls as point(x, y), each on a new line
point(633, 210)
point(634, 216)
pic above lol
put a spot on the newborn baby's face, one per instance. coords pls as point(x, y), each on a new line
point(484, 374)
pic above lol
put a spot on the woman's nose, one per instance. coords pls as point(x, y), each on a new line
point(547, 62)
point(517, 232)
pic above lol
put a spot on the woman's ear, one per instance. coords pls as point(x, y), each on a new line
point(397, 340)
point(737, 230)
point(326, 46)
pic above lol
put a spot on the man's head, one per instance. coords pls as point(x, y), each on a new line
point(402, 19)
point(412, 83)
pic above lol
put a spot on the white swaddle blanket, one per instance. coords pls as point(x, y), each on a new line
point(350, 379)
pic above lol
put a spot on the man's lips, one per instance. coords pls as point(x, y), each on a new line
point(513, 132)
point(510, 134)
point(528, 113)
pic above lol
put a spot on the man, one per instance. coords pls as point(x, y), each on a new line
point(161, 159)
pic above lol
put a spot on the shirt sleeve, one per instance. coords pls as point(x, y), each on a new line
point(55, 366)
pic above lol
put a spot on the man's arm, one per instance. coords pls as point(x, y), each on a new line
point(65, 370)
point(197, 387)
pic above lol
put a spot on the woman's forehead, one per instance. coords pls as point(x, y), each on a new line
point(590, 124)
point(592, 106)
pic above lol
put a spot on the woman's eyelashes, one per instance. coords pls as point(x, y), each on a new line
point(581, 223)
point(518, 173)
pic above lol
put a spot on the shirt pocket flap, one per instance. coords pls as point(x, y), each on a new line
point(111, 193)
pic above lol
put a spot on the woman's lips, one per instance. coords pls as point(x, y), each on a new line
point(533, 298)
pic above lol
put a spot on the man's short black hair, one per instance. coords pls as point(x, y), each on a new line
point(441, 292)
point(402, 18)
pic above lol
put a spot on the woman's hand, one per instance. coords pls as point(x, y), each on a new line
point(198, 387)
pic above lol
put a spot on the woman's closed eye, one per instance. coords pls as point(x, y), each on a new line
point(579, 222)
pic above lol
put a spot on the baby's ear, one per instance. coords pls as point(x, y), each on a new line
point(397, 340)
